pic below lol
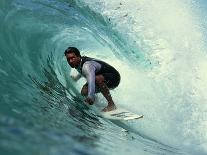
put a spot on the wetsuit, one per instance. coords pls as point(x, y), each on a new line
point(90, 67)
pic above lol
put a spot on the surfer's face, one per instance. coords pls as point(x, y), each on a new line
point(73, 60)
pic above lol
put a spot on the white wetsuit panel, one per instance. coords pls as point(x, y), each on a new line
point(90, 68)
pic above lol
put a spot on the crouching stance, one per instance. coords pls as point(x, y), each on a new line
point(100, 76)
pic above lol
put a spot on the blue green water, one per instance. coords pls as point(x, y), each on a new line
point(159, 49)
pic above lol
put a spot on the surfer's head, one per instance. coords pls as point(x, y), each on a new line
point(73, 56)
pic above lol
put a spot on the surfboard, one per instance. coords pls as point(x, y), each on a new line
point(121, 114)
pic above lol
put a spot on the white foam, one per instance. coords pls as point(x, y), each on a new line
point(171, 94)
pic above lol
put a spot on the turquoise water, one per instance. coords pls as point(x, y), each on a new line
point(159, 49)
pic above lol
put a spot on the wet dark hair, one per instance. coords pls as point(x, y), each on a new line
point(72, 50)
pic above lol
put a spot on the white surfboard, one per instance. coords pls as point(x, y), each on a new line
point(121, 114)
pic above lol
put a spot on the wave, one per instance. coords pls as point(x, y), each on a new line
point(158, 47)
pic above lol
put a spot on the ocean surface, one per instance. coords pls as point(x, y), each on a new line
point(159, 48)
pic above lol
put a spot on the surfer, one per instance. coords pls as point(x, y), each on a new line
point(100, 76)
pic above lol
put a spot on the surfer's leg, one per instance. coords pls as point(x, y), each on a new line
point(84, 90)
point(100, 81)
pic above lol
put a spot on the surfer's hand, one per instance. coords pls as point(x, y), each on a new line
point(89, 100)
point(75, 78)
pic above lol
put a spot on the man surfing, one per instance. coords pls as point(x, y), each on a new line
point(100, 76)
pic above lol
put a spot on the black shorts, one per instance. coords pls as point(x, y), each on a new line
point(112, 80)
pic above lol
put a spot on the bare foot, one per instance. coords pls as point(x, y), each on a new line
point(109, 108)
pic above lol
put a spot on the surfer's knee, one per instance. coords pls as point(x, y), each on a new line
point(100, 80)
point(84, 91)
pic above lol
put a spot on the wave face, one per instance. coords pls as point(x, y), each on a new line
point(158, 48)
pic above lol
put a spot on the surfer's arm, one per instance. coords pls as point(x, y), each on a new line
point(89, 72)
